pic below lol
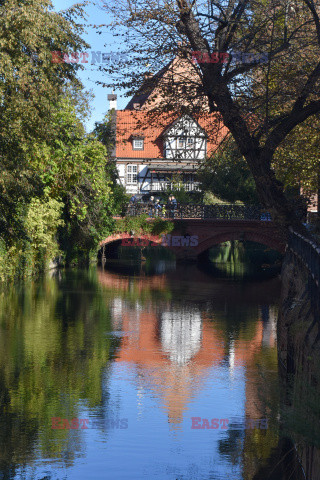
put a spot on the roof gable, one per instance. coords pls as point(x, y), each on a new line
point(147, 89)
point(185, 125)
point(168, 85)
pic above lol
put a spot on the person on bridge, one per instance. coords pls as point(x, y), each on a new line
point(164, 210)
point(132, 205)
point(151, 206)
point(172, 206)
point(157, 208)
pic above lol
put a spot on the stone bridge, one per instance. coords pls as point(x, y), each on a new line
point(192, 237)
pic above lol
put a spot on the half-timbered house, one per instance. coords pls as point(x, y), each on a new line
point(153, 152)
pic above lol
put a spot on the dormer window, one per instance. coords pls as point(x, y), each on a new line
point(137, 141)
point(137, 144)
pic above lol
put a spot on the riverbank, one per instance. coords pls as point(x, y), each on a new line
point(298, 332)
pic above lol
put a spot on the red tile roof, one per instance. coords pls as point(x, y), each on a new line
point(134, 123)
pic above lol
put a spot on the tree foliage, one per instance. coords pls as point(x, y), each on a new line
point(29, 85)
point(298, 160)
point(55, 190)
point(104, 132)
point(227, 176)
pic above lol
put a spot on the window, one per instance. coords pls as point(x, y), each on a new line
point(132, 176)
point(181, 142)
point(190, 142)
point(137, 144)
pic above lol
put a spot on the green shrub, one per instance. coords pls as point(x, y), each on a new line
point(143, 225)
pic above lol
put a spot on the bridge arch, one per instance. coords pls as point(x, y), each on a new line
point(109, 246)
point(208, 232)
point(253, 236)
point(127, 239)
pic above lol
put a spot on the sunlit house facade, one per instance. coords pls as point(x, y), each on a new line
point(153, 152)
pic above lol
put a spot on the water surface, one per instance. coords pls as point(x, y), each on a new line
point(135, 357)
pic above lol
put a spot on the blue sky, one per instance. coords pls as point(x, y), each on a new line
point(104, 43)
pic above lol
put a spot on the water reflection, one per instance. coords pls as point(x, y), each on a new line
point(176, 345)
point(244, 259)
point(152, 350)
point(180, 335)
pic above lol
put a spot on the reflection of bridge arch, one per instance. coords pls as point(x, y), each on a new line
point(124, 283)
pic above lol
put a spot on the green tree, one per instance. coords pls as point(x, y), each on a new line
point(104, 132)
point(227, 175)
point(72, 169)
point(297, 162)
point(55, 189)
point(29, 84)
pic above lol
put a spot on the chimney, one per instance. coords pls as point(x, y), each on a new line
point(112, 101)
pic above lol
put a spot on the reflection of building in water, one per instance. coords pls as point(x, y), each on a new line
point(181, 335)
point(257, 388)
point(117, 309)
point(269, 317)
point(162, 266)
point(174, 351)
point(174, 346)
point(246, 353)
point(173, 354)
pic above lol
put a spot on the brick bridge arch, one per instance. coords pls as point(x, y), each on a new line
point(210, 232)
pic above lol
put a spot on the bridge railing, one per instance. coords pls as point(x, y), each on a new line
point(309, 253)
point(189, 210)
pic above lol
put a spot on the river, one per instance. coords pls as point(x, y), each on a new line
point(111, 374)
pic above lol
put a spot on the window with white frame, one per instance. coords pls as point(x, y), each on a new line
point(181, 142)
point(132, 174)
point(137, 144)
